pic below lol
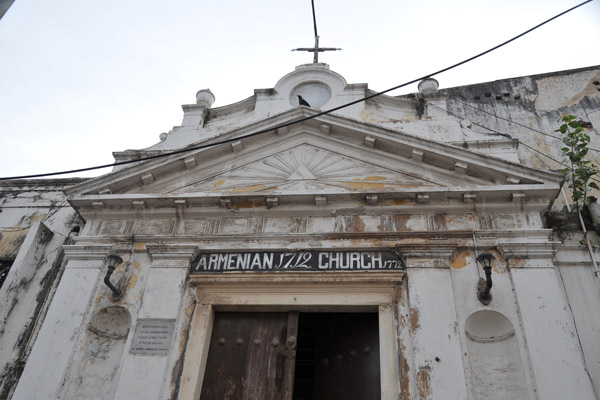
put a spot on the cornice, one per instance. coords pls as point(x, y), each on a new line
point(487, 237)
point(524, 198)
point(86, 251)
point(530, 250)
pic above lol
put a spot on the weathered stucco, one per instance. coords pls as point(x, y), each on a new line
point(34, 223)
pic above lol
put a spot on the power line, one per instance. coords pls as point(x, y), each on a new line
point(530, 148)
point(506, 135)
point(312, 2)
point(513, 122)
point(284, 125)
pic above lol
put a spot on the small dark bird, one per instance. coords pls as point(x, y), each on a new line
point(302, 102)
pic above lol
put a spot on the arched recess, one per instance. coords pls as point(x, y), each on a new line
point(497, 370)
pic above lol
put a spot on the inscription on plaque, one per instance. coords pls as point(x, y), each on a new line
point(298, 261)
point(152, 337)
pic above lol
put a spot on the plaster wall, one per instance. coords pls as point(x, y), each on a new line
point(582, 292)
point(528, 109)
point(51, 353)
point(556, 357)
point(436, 338)
point(35, 221)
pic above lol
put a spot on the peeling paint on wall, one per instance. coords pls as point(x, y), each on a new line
point(424, 382)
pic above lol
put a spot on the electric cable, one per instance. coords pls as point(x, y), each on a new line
point(513, 122)
point(506, 135)
point(297, 121)
point(495, 132)
point(312, 2)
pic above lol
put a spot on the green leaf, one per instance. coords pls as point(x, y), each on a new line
point(574, 124)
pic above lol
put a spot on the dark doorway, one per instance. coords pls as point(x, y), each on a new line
point(337, 357)
point(291, 356)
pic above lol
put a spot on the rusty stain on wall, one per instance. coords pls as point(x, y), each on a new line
point(349, 224)
point(245, 203)
point(424, 382)
point(398, 202)
point(460, 260)
point(371, 178)
point(404, 373)
point(364, 185)
point(393, 223)
point(414, 319)
point(251, 188)
point(139, 247)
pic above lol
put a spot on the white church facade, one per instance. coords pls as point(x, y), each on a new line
point(279, 252)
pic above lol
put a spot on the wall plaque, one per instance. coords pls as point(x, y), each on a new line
point(152, 337)
point(297, 261)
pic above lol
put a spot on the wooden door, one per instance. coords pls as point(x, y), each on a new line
point(251, 357)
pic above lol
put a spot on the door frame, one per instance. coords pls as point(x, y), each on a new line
point(363, 291)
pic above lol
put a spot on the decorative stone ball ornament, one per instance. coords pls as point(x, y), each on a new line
point(205, 98)
point(428, 85)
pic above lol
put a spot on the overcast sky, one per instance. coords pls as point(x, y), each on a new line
point(80, 78)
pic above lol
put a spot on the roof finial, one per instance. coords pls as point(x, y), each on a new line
point(315, 50)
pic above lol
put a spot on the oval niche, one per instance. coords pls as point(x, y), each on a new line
point(98, 362)
point(111, 322)
point(497, 370)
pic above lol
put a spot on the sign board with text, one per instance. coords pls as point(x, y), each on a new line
point(298, 261)
point(152, 337)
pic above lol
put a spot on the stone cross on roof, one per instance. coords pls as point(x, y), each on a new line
point(316, 50)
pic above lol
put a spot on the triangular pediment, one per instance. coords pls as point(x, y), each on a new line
point(305, 166)
point(329, 154)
